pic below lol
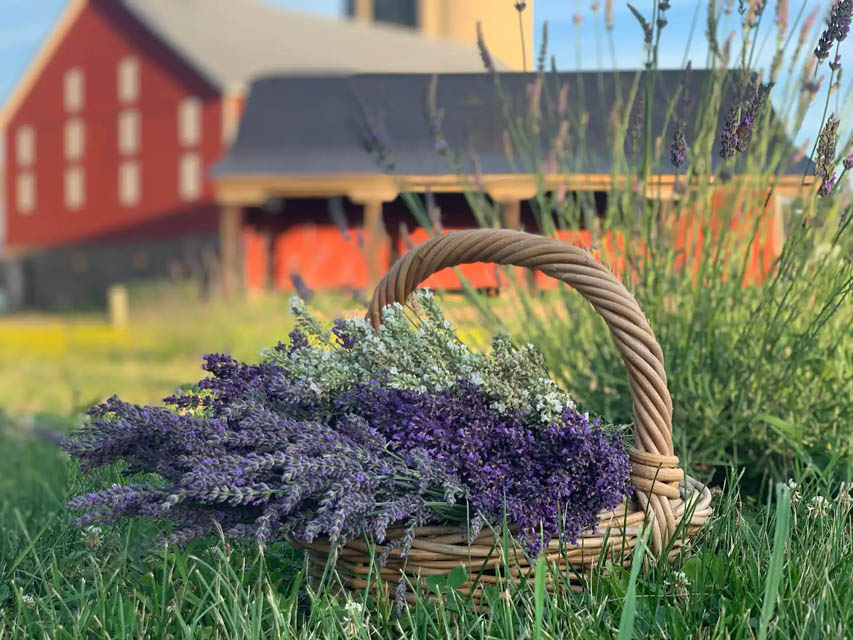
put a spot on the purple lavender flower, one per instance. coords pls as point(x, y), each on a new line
point(835, 65)
point(743, 114)
point(825, 162)
point(302, 289)
point(678, 148)
point(257, 454)
point(848, 162)
point(837, 28)
point(375, 138)
point(541, 477)
point(520, 6)
point(485, 56)
point(728, 136)
point(342, 334)
point(434, 117)
point(339, 216)
point(644, 24)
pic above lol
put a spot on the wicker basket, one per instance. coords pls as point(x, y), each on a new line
point(674, 505)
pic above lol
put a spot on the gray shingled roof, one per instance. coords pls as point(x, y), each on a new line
point(232, 41)
point(314, 125)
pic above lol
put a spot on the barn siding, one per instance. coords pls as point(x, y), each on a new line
point(101, 36)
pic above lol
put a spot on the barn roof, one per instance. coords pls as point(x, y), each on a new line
point(232, 41)
point(315, 125)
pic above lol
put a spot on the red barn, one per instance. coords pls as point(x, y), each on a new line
point(110, 134)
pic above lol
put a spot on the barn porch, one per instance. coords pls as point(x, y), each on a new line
point(273, 236)
point(305, 140)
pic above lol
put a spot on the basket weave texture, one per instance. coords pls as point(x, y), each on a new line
point(672, 504)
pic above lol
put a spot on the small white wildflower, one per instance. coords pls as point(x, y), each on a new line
point(680, 581)
point(795, 494)
point(681, 578)
point(354, 608)
point(844, 495)
point(818, 507)
point(29, 600)
point(92, 538)
point(353, 619)
point(476, 379)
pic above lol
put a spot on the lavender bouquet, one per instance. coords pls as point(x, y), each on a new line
point(345, 431)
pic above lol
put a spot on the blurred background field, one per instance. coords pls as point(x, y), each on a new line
point(64, 363)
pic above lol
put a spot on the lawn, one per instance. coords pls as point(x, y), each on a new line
point(57, 581)
point(782, 567)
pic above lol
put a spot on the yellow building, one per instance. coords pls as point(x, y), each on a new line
point(503, 30)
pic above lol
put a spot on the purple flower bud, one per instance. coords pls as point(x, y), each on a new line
point(837, 28)
point(485, 56)
point(678, 148)
point(644, 24)
point(825, 161)
point(302, 290)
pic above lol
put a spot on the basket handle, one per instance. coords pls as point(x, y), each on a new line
point(655, 471)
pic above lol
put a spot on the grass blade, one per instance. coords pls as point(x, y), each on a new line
point(774, 572)
point(629, 609)
point(539, 596)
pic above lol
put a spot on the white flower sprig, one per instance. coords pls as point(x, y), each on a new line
point(425, 356)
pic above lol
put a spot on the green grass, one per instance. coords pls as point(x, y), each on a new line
point(780, 566)
point(65, 363)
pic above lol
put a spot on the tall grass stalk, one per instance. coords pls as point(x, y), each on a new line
point(777, 557)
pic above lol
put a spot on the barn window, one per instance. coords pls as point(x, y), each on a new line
point(128, 79)
point(189, 121)
point(25, 145)
point(73, 90)
point(128, 131)
point(25, 192)
point(75, 139)
point(128, 183)
point(189, 176)
point(75, 188)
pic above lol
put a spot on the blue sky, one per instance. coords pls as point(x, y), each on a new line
point(25, 23)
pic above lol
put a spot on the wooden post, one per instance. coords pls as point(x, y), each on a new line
point(118, 305)
point(363, 10)
point(230, 248)
point(375, 239)
point(511, 210)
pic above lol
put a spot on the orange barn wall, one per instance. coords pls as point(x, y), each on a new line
point(327, 258)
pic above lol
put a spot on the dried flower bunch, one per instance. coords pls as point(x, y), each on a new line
point(344, 432)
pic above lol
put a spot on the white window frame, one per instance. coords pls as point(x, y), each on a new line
point(25, 145)
point(74, 138)
point(74, 90)
point(189, 121)
point(75, 188)
point(190, 179)
point(129, 131)
point(129, 183)
point(128, 79)
point(25, 192)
